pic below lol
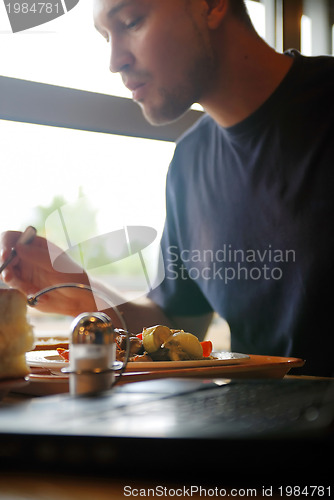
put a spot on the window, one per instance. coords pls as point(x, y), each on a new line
point(44, 162)
point(66, 51)
point(316, 24)
point(306, 36)
point(257, 14)
point(120, 179)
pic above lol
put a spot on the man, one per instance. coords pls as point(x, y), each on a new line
point(250, 188)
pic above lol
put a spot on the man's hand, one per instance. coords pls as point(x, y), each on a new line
point(32, 270)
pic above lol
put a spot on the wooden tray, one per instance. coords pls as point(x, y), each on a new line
point(42, 382)
point(254, 367)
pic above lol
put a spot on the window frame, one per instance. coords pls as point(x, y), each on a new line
point(44, 104)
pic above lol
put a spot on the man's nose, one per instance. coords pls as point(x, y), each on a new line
point(120, 57)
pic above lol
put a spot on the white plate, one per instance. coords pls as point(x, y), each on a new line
point(46, 359)
point(222, 358)
point(52, 361)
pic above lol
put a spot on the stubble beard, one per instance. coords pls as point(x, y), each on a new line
point(196, 81)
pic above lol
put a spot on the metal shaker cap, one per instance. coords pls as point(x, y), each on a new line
point(93, 328)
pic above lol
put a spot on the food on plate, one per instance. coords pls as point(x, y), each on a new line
point(182, 346)
point(136, 346)
point(207, 348)
point(16, 334)
point(64, 353)
point(154, 337)
point(158, 343)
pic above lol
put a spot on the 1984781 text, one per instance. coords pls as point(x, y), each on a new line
point(35, 8)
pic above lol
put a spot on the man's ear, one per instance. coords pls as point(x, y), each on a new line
point(217, 10)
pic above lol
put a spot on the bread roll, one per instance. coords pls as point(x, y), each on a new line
point(16, 334)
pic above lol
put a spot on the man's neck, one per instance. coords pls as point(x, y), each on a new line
point(249, 72)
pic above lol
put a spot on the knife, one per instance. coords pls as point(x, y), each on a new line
point(26, 237)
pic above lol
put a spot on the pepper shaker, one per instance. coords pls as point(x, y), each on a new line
point(92, 354)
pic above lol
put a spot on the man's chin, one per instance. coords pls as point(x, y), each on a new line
point(160, 117)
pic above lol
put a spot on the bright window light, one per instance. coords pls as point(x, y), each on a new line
point(67, 51)
point(256, 12)
point(306, 36)
point(122, 177)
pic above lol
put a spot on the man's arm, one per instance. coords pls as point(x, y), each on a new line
point(32, 271)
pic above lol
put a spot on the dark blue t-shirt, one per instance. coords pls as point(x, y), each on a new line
point(249, 228)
